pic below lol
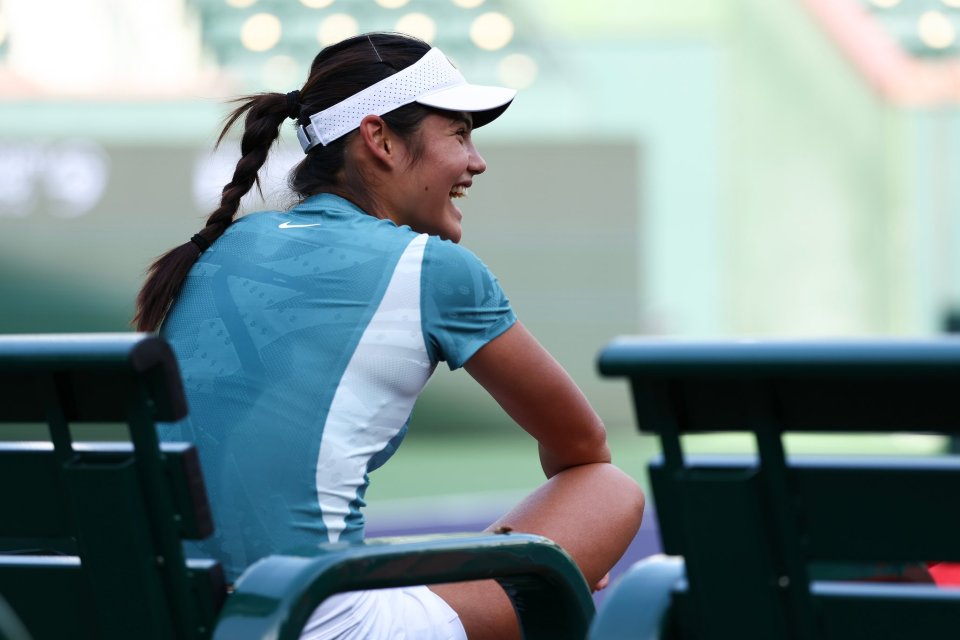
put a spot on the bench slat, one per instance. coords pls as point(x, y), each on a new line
point(98, 376)
point(34, 504)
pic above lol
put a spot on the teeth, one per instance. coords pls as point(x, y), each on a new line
point(458, 192)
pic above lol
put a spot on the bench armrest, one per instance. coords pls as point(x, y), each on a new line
point(275, 597)
point(638, 604)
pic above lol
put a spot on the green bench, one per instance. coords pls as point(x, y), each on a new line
point(91, 532)
point(775, 546)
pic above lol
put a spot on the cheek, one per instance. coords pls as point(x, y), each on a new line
point(451, 163)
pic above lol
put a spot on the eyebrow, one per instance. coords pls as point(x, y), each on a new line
point(464, 118)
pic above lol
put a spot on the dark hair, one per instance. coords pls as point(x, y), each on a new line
point(338, 72)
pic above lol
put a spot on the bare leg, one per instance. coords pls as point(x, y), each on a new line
point(592, 511)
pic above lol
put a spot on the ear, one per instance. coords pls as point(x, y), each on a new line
point(378, 140)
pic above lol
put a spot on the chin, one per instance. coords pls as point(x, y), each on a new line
point(452, 235)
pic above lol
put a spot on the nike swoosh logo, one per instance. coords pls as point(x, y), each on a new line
point(287, 225)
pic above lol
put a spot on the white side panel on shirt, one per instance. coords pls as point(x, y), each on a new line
point(376, 394)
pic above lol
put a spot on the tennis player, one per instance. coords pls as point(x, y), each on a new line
point(305, 336)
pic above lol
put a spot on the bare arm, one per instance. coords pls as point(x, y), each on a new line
point(541, 397)
point(588, 506)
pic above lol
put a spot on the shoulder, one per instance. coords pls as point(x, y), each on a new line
point(453, 272)
point(443, 256)
point(456, 284)
point(462, 304)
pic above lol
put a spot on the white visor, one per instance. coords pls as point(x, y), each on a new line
point(430, 81)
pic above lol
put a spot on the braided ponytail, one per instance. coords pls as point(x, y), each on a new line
point(265, 113)
point(338, 72)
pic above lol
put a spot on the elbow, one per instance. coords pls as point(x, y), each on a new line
point(587, 447)
point(590, 446)
point(597, 450)
point(594, 446)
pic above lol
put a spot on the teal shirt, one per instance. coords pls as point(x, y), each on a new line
point(304, 338)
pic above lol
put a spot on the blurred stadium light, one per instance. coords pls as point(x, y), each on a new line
point(926, 28)
point(248, 37)
point(907, 49)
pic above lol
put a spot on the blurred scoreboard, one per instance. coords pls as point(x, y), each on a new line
point(80, 222)
point(558, 223)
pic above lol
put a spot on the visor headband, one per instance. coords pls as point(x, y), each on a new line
point(427, 75)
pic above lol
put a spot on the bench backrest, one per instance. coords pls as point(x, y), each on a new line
point(91, 534)
point(771, 543)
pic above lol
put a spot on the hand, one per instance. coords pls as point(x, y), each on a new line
point(602, 583)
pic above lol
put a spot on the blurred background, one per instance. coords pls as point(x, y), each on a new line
point(748, 168)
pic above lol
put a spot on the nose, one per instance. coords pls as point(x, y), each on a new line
point(476, 164)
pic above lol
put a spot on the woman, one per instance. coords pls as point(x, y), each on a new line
point(304, 337)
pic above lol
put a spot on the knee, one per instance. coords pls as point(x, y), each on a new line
point(627, 491)
point(621, 496)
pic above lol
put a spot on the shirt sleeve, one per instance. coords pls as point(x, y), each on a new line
point(462, 304)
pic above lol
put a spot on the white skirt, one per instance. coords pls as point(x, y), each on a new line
point(406, 613)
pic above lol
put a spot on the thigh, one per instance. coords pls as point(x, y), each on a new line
point(592, 511)
point(484, 609)
point(384, 614)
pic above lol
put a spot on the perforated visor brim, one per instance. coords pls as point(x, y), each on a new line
point(484, 102)
point(481, 118)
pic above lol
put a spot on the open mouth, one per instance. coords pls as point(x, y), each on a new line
point(458, 191)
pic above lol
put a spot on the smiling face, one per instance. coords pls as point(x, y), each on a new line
point(437, 168)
